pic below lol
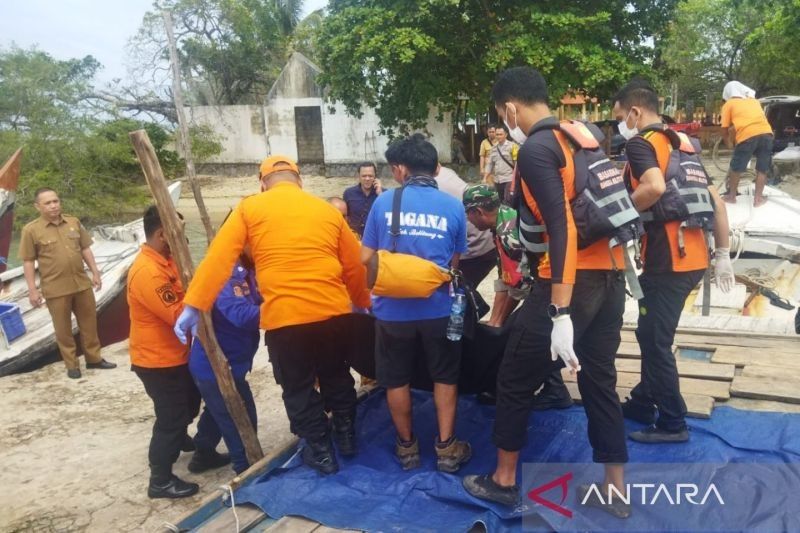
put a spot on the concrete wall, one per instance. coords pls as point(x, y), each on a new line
point(280, 124)
point(240, 128)
point(346, 139)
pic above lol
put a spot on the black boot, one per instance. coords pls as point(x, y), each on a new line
point(344, 432)
point(163, 484)
point(203, 460)
point(188, 444)
point(318, 454)
point(554, 394)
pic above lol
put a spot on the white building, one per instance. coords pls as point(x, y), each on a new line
point(296, 121)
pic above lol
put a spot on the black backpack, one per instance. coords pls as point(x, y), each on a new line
point(686, 198)
point(602, 207)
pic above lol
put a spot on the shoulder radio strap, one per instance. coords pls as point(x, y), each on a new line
point(394, 230)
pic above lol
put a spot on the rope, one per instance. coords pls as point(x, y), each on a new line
point(229, 489)
point(737, 242)
point(758, 278)
point(171, 527)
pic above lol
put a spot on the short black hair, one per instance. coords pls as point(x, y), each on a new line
point(414, 152)
point(366, 164)
point(501, 127)
point(524, 84)
point(40, 190)
point(638, 92)
point(151, 220)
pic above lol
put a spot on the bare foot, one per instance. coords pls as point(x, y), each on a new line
point(729, 199)
point(758, 202)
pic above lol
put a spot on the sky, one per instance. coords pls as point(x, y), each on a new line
point(75, 28)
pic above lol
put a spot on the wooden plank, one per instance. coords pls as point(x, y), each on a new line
point(719, 390)
point(689, 369)
point(326, 529)
point(293, 524)
point(773, 343)
point(249, 515)
point(697, 405)
point(750, 404)
point(778, 372)
point(629, 350)
point(761, 357)
point(760, 388)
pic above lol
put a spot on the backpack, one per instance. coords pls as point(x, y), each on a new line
point(686, 198)
point(602, 206)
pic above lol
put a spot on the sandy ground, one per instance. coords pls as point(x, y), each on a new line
point(74, 453)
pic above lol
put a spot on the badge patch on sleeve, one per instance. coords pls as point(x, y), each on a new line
point(167, 294)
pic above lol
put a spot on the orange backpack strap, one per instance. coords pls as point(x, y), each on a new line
point(678, 140)
point(578, 134)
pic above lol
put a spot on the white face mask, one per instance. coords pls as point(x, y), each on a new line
point(516, 132)
point(625, 131)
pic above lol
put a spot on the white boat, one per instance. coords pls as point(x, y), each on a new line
point(114, 248)
point(765, 250)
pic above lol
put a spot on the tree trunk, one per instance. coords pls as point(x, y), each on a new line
point(183, 139)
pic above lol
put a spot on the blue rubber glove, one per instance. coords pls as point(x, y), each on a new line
point(187, 322)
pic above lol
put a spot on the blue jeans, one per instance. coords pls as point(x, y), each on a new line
point(216, 423)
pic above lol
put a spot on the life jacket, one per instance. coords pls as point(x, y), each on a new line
point(686, 198)
point(601, 206)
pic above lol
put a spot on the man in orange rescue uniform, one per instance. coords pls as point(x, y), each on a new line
point(675, 260)
point(155, 297)
point(308, 271)
point(574, 311)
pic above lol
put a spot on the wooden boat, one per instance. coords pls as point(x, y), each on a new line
point(115, 248)
point(9, 177)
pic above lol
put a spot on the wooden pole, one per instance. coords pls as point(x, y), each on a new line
point(180, 250)
point(184, 139)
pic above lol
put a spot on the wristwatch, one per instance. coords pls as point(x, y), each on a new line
point(555, 311)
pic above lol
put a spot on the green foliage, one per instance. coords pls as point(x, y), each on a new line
point(88, 160)
point(399, 57)
point(231, 51)
point(710, 42)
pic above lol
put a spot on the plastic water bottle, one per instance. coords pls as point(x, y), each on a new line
point(455, 327)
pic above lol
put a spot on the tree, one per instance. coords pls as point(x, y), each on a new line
point(79, 150)
point(710, 42)
point(400, 57)
point(231, 50)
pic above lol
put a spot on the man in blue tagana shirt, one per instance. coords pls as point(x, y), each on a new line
point(432, 226)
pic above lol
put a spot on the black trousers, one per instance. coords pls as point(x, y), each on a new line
point(299, 355)
point(659, 312)
point(475, 269)
point(598, 301)
point(176, 401)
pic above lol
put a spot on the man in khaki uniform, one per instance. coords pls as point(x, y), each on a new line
point(61, 245)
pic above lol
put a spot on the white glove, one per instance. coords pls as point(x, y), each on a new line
point(187, 322)
point(723, 269)
point(561, 343)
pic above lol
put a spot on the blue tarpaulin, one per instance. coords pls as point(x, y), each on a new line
point(371, 492)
